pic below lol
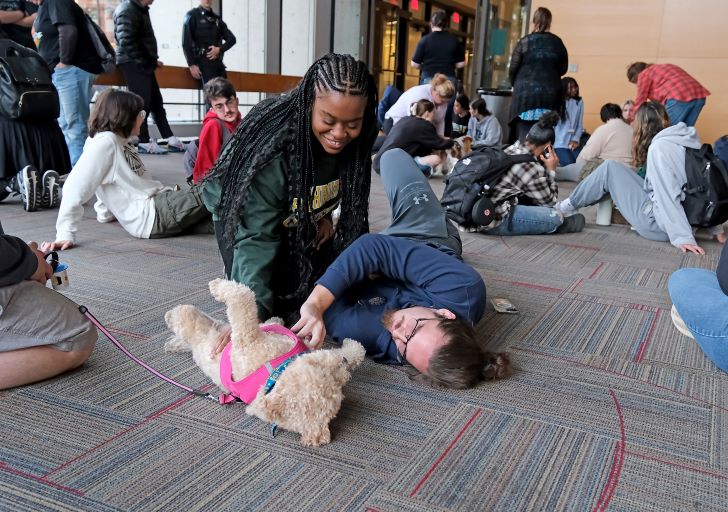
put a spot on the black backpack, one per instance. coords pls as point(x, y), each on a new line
point(26, 89)
point(706, 191)
point(472, 178)
point(101, 44)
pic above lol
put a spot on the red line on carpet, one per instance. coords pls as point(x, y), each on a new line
point(596, 270)
point(40, 479)
point(645, 342)
point(617, 462)
point(628, 377)
point(527, 285)
point(129, 333)
point(679, 465)
point(444, 454)
point(146, 420)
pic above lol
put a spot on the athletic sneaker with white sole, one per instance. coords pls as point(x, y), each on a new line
point(151, 148)
point(51, 189)
point(174, 145)
point(30, 188)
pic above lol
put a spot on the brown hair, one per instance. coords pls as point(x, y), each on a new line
point(219, 88)
point(650, 119)
point(461, 363)
point(419, 108)
point(442, 85)
point(115, 111)
point(542, 19)
point(634, 70)
point(439, 19)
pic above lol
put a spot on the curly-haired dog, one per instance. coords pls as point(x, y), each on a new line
point(304, 398)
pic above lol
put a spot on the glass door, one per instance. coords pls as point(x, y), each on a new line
point(385, 45)
point(506, 23)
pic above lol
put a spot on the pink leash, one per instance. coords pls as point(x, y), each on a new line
point(85, 312)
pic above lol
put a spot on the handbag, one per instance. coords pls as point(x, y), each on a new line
point(26, 89)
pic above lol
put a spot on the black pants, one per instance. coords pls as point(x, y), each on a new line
point(144, 83)
point(210, 69)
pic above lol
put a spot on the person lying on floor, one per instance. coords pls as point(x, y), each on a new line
point(111, 168)
point(421, 307)
point(700, 307)
point(35, 346)
point(653, 205)
point(525, 195)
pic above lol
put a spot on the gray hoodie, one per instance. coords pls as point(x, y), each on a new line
point(665, 179)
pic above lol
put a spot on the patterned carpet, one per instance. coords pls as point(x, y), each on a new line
point(610, 407)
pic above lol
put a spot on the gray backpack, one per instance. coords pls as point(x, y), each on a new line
point(190, 156)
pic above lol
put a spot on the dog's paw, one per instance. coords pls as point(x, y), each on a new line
point(173, 317)
point(176, 344)
point(354, 352)
point(223, 290)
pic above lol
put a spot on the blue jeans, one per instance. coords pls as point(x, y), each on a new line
point(703, 307)
point(74, 92)
point(566, 156)
point(528, 220)
point(685, 111)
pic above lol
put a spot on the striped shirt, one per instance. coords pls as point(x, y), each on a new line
point(662, 82)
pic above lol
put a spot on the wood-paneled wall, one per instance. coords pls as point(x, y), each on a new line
point(604, 37)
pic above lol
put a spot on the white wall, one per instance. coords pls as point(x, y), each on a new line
point(297, 36)
point(347, 28)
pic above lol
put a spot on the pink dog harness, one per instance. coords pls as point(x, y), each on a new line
point(247, 388)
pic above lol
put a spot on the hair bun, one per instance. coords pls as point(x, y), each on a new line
point(498, 366)
point(549, 119)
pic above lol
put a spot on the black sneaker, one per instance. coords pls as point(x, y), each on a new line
point(30, 189)
point(573, 224)
point(51, 189)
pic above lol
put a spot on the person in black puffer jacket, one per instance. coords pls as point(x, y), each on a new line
point(136, 57)
point(538, 62)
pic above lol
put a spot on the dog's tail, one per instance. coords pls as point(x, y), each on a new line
point(353, 352)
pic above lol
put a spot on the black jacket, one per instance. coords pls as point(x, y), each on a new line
point(17, 261)
point(135, 41)
point(202, 29)
point(538, 62)
point(414, 135)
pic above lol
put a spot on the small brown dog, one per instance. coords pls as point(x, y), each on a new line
point(306, 396)
point(449, 157)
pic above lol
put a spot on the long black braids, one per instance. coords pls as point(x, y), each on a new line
point(282, 127)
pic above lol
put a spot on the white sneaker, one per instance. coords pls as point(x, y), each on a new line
point(680, 323)
point(174, 145)
point(565, 208)
point(151, 148)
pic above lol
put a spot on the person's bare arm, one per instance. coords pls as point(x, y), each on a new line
point(8, 17)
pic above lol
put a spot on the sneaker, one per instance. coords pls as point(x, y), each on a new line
point(51, 189)
point(680, 323)
point(572, 224)
point(151, 148)
point(174, 145)
point(29, 186)
point(565, 208)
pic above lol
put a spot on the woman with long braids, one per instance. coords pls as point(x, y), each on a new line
point(310, 147)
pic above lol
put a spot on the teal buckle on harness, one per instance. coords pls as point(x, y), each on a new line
point(271, 382)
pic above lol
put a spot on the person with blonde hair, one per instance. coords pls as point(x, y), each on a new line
point(439, 91)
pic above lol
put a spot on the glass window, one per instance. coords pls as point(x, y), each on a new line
point(417, 8)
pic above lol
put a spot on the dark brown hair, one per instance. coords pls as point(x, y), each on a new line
point(634, 70)
point(480, 107)
point(419, 108)
point(439, 19)
point(115, 111)
point(542, 19)
point(649, 120)
point(461, 363)
point(219, 88)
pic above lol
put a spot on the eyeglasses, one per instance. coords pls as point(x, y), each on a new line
point(231, 104)
point(402, 356)
point(142, 113)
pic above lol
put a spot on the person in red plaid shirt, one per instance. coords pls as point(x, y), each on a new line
point(671, 86)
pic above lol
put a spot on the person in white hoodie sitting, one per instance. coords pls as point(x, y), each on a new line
point(651, 205)
point(111, 168)
point(483, 127)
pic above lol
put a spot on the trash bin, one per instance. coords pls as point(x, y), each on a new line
point(498, 102)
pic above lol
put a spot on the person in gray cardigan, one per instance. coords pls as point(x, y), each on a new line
point(42, 333)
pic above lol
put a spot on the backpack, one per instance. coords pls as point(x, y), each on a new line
point(472, 178)
point(101, 45)
point(706, 190)
point(26, 89)
point(190, 156)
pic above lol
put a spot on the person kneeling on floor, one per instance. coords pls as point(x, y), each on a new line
point(111, 168)
point(34, 346)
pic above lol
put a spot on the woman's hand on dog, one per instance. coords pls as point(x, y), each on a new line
point(223, 338)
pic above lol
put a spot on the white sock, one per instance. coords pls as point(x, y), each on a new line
point(565, 207)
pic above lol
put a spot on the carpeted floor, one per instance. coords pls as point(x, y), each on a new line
point(610, 408)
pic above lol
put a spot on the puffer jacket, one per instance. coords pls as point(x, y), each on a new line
point(135, 41)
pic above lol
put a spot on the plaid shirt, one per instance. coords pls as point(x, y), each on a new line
point(529, 179)
point(662, 82)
